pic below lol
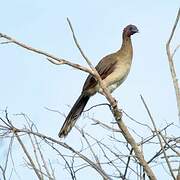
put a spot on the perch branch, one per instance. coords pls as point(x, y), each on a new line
point(171, 63)
point(51, 58)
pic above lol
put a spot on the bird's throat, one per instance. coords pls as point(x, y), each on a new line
point(126, 44)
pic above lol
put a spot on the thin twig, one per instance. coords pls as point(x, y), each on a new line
point(102, 104)
point(177, 152)
point(52, 170)
point(131, 118)
point(72, 173)
point(154, 135)
point(92, 164)
point(53, 59)
point(28, 156)
point(36, 156)
point(175, 50)
point(171, 63)
point(157, 133)
point(110, 161)
point(3, 172)
point(91, 149)
point(78, 46)
point(111, 151)
point(127, 165)
point(104, 125)
point(42, 158)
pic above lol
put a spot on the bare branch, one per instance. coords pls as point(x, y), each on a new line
point(3, 172)
point(92, 164)
point(42, 157)
point(102, 104)
point(72, 173)
point(174, 27)
point(92, 151)
point(131, 118)
point(154, 135)
point(105, 126)
point(36, 156)
point(28, 156)
point(175, 50)
point(157, 133)
point(51, 58)
point(112, 153)
point(171, 63)
point(117, 155)
point(177, 152)
point(78, 46)
point(127, 165)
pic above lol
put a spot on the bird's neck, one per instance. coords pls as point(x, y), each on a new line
point(126, 50)
point(126, 44)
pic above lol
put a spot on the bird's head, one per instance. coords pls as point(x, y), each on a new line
point(130, 30)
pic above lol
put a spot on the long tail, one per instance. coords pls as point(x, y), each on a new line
point(73, 115)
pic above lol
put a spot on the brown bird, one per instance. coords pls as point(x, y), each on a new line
point(113, 70)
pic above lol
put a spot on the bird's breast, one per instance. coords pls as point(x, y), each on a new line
point(118, 76)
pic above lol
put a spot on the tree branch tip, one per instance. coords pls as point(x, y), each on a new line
point(175, 50)
point(57, 62)
point(68, 19)
point(142, 98)
point(179, 11)
point(6, 42)
point(69, 22)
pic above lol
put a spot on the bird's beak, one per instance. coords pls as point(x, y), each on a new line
point(136, 31)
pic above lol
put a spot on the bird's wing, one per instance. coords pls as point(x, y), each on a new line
point(105, 67)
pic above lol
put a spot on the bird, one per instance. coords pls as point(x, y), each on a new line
point(113, 70)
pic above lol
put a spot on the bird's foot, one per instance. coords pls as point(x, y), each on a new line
point(114, 105)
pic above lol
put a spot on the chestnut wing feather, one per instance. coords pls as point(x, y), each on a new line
point(105, 67)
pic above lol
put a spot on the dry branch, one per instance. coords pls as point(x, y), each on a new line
point(159, 138)
point(44, 137)
point(27, 154)
point(171, 63)
point(53, 59)
point(112, 154)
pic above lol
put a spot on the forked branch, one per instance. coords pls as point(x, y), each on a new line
point(171, 63)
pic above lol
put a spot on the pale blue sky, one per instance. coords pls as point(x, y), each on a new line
point(29, 82)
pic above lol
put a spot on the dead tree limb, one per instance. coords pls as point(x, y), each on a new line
point(170, 56)
point(159, 138)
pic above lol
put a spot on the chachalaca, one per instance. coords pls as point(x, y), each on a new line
point(113, 70)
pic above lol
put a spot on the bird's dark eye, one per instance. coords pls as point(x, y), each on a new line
point(132, 29)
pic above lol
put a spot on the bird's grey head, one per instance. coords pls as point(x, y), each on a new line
point(130, 30)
